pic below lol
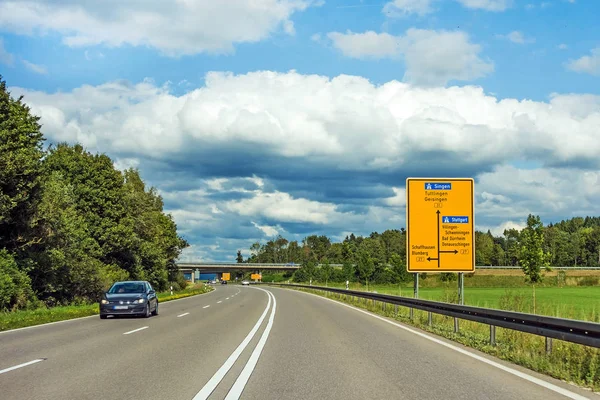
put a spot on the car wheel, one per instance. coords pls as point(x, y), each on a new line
point(103, 316)
point(147, 315)
point(155, 312)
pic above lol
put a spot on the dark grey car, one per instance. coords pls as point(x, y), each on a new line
point(129, 298)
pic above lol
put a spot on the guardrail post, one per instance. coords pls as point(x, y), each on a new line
point(493, 335)
point(429, 319)
point(461, 288)
point(383, 306)
point(456, 326)
point(548, 345)
point(415, 292)
point(396, 310)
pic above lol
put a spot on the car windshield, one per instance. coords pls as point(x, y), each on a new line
point(127, 288)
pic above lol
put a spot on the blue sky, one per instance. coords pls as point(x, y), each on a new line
point(299, 117)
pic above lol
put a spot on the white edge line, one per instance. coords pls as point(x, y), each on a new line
point(205, 306)
point(512, 371)
point(210, 386)
point(136, 330)
point(21, 365)
point(183, 315)
point(242, 380)
point(219, 302)
point(93, 316)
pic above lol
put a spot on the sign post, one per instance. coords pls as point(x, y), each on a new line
point(440, 226)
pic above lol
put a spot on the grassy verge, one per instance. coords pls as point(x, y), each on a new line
point(569, 362)
point(24, 318)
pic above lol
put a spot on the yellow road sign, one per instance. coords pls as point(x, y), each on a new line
point(226, 276)
point(255, 276)
point(440, 225)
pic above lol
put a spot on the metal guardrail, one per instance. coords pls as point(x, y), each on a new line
point(581, 332)
point(517, 267)
point(294, 265)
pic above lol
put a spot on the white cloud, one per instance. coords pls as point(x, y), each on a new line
point(399, 198)
point(587, 64)
point(38, 69)
point(369, 44)
point(283, 207)
point(431, 57)
point(517, 37)
point(175, 27)
point(488, 5)
point(6, 58)
point(92, 55)
point(498, 230)
point(125, 163)
point(399, 8)
point(266, 229)
point(346, 122)
point(542, 191)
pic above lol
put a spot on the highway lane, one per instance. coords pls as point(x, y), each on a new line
point(92, 358)
point(306, 348)
point(319, 349)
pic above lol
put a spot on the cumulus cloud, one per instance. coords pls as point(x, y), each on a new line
point(547, 192)
point(175, 27)
point(266, 229)
point(302, 154)
point(369, 44)
point(431, 57)
point(587, 64)
point(346, 122)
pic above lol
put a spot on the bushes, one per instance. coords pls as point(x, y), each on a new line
point(15, 285)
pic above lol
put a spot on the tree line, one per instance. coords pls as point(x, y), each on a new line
point(381, 257)
point(70, 222)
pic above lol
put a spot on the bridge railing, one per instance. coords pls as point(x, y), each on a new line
point(581, 332)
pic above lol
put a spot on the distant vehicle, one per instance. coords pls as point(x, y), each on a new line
point(129, 298)
point(214, 281)
point(245, 282)
point(223, 282)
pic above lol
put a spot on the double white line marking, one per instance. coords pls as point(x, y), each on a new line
point(242, 380)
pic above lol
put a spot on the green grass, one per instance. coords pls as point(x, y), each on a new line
point(570, 362)
point(24, 318)
point(575, 302)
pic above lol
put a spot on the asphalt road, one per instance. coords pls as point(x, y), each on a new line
point(243, 342)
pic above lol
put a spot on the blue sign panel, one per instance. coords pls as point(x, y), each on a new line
point(437, 186)
point(455, 220)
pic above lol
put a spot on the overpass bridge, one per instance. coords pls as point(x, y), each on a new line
point(192, 270)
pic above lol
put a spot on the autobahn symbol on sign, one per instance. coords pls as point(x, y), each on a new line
point(440, 226)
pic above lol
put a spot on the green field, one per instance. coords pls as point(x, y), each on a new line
point(575, 302)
